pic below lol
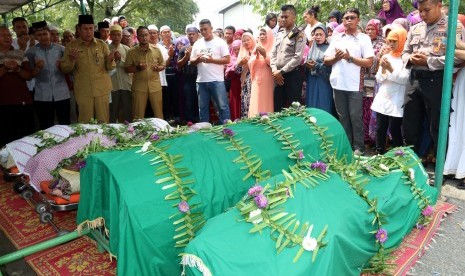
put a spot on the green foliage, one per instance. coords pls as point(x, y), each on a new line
point(176, 14)
point(368, 8)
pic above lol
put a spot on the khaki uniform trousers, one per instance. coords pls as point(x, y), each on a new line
point(139, 103)
point(93, 107)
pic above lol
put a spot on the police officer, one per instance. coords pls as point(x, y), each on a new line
point(285, 59)
point(424, 52)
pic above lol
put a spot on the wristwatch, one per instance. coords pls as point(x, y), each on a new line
point(350, 60)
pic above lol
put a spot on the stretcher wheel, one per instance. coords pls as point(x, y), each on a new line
point(41, 208)
point(26, 194)
point(46, 217)
point(19, 187)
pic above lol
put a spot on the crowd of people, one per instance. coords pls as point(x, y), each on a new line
point(382, 79)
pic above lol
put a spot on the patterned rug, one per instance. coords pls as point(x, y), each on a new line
point(414, 245)
point(21, 224)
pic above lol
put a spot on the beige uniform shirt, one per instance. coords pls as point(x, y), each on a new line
point(146, 80)
point(287, 52)
point(119, 78)
point(91, 78)
point(431, 40)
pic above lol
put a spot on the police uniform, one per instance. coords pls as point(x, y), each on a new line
point(286, 57)
point(424, 92)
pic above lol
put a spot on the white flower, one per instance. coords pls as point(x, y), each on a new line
point(264, 118)
point(145, 147)
point(411, 173)
point(313, 120)
point(309, 243)
point(254, 213)
point(295, 104)
point(384, 167)
point(47, 135)
point(349, 173)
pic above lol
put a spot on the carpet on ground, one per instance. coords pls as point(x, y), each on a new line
point(21, 224)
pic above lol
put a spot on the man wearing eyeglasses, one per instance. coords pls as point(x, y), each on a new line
point(425, 53)
point(348, 53)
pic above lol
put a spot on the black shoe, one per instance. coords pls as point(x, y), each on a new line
point(461, 186)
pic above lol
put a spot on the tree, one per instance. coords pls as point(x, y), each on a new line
point(176, 14)
point(368, 8)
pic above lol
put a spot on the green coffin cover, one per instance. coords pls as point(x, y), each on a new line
point(119, 189)
point(225, 247)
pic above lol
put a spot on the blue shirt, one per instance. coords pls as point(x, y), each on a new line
point(50, 82)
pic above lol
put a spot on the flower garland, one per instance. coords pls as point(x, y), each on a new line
point(283, 136)
point(191, 219)
point(252, 163)
point(260, 207)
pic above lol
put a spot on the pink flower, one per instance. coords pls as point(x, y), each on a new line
point(381, 235)
point(419, 226)
point(319, 165)
point(399, 153)
point(183, 207)
point(428, 211)
point(130, 129)
point(261, 201)
point(255, 190)
point(301, 155)
point(190, 123)
point(155, 137)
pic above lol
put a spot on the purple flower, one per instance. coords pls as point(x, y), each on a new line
point(381, 235)
point(399, 153)
point(190, 123)
point(155, 137)
point(420, 226)
point(255, 190)
point(81, 164)
point(126, 122)
point(228, 132)
point(183, 207)
point(319, 165)
point(261, 201)
point(263, 113)
point(428, 211)
point(301, 155)
point(131, 129)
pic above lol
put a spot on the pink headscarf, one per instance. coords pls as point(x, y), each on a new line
point(268, 45)
point(233, 60)
point(340, 29)
point(375, 23)
point(243, 52)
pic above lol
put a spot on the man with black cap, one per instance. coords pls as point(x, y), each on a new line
point(52, 96)
point(104, 31)
point(89, 59)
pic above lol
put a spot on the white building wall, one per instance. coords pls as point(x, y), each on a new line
point(241, 17)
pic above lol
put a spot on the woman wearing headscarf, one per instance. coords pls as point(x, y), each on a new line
point(319, 91)
point(391, 10)
point(330, 29)
point(235, 79)
point(455, 158)
point(261, 98)
point(392, 77)
point(247, 47)
point(373, 30)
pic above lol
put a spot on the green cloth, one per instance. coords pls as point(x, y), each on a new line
point(226, 247)
point(120, 187)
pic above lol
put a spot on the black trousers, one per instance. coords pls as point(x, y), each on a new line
point(289, 92)
point(426, 98)
point(171, 98)
point(46, 112)
point(383, 123)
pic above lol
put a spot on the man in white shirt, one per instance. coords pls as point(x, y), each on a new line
point(210, 54)
point(348, 53)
